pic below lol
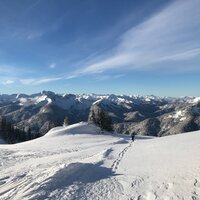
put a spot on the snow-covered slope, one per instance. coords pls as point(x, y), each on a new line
point(77, 162)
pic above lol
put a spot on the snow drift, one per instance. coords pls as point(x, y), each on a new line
point(80, 128)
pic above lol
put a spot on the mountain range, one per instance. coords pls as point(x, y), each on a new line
point(142, 115)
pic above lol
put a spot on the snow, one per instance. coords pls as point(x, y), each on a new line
point(179, 114)
point(183, 118)
point(77, 162)
point(80, 128)
point(98, 101)
point(85, 101)
point(38, 100)
point(41, 99)
point(196, 100)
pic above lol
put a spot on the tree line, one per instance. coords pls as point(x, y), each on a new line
point(12, 134)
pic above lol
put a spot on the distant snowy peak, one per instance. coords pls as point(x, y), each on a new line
point(65, 101)
point(38, 100)
point(21, 96)
point(195, 100)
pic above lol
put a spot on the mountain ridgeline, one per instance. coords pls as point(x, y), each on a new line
point(143, 115)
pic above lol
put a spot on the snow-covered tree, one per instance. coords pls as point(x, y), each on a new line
point(66, 121)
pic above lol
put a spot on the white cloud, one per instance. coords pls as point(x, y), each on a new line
point(27, 81)
point(39, 80)
point(7, 69)
point(52, 65)
point(12, 71)
point(109, 77)
point(26, 34)
point(71, 76)
point(46, 80)
point(7, 82)
point(33, 35)
point(171, 35)
point(187, 55)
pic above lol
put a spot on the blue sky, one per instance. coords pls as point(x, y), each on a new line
point(100, 46)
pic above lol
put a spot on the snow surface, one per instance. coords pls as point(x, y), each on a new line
point(77, 162)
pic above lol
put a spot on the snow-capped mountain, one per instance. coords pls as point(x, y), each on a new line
point(76, 162)
point(144, 115)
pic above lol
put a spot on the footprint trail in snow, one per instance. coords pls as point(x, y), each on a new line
point(116, 163)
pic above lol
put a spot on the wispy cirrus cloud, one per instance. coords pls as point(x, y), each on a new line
point(186, 55)
point(33, 34)
point(33, 81)
point(27, 81)
point(10, 75)
point(27, 34)
point(171, 35)
point(52, 65)
point(12, 70)
point(42, 80)
point(7, 69)
point(105, 77)
point(8, 82)
point(23, 31)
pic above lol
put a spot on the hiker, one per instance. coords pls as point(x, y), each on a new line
point(133, 136)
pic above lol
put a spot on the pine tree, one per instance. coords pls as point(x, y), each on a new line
point(13, 134)
point(29, 134)
point(103, 120)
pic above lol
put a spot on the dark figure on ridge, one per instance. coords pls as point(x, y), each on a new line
point(133, 136)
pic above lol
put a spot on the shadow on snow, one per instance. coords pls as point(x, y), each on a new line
point(74, 173)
